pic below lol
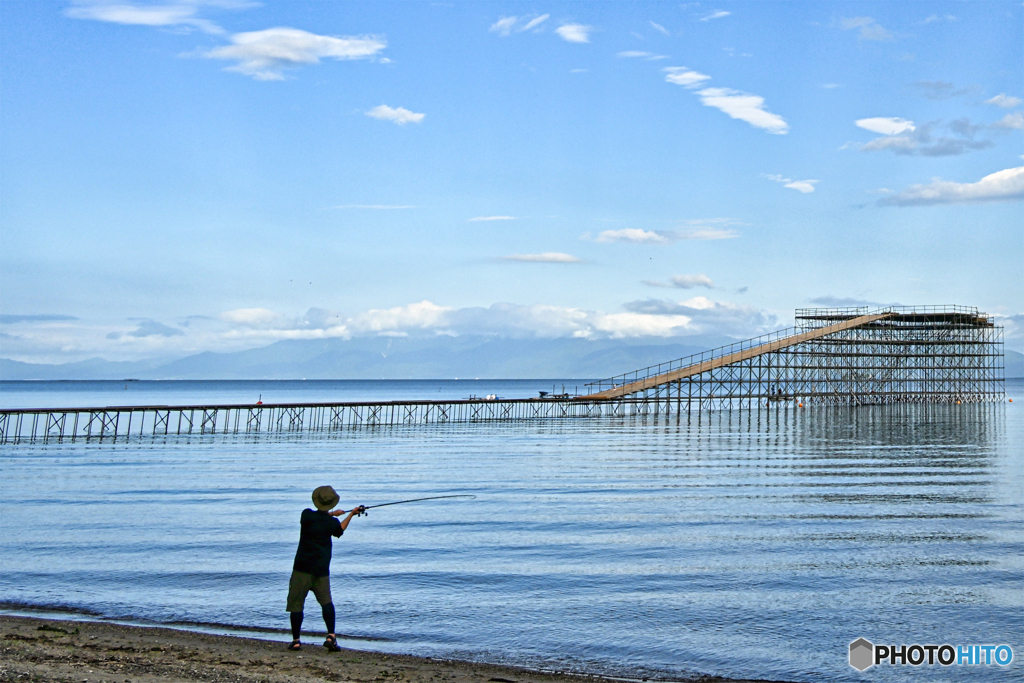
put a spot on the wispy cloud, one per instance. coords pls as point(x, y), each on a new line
point(659, 28)
point(745, 107)
point(575, 33)
point(1006, 185)
point(374, 206)
point(492, 218)
point(942, 90)
point(869, 29)
point(715, 15)
point(503, 26)
point(905, 138)
point(399, 115)
point(684, 76)
point(844, 302)
point(691, 281)
point(1005, 101)
point(639, 54)
point(804, 186)
point(148, 328)
point(535, 22)
point(173, 14)
point(546, 257)
point(13, 319)
point(506, 25)
point(265, 55)
point(885, 125)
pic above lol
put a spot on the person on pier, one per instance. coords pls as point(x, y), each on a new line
point(311, 569)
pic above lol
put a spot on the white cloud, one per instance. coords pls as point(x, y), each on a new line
point(804, 186)
point(546, 257)
point(534, 23)
point(869, 28)
point(745, 107)
point(716, 15)
point(493, 218)
point(503, 26)
point(886, 125)
point(264, 55)
point(575, 33)
point(399, 115)
point(1014, 121)
point(1005, 101)
point(681, 75)
point(622, 325)
point(635, 235)
point(692, 281)
point(170, 14)
point(705, 315)
point(660, 28)
point(639, 236)
point(422, 315)
point(999, 186)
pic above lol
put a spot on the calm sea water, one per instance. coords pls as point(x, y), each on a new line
point(744, 545)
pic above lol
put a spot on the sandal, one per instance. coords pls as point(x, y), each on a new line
point(331, 644)
point(295, 645)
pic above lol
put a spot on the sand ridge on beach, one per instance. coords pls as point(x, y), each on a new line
point(33, 649)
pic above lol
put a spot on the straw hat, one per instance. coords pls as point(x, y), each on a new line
point(325, 498)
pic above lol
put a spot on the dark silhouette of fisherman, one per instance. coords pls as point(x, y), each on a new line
point(311, 571)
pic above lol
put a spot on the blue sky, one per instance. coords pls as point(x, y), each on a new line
point(188, 176)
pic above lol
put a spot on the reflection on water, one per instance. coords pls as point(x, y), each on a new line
point(744, 545)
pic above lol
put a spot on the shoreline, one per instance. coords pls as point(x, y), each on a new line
point(65, 650)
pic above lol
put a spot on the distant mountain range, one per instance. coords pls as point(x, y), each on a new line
point(444, 357)
point(464, 357)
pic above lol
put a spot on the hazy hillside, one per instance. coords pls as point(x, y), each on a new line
point(389, 358)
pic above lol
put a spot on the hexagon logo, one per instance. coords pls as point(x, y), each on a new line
point(862, 654)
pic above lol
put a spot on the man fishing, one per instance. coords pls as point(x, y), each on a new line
point(311, 570)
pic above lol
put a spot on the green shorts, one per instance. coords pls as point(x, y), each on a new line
point(300, 585)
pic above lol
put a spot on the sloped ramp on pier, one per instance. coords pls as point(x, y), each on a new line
point(849, 356)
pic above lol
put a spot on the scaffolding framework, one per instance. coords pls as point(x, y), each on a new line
point(838, 356)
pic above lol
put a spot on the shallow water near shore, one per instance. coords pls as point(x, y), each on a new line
point(748, 545)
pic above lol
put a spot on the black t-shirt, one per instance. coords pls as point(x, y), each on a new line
point(314, 553)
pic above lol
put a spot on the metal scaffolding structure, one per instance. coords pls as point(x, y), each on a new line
point(836, 356)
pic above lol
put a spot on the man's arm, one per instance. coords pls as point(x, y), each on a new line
point(351, 513)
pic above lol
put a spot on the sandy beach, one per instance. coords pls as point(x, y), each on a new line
point(97, 652)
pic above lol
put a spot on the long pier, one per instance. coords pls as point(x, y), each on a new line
point(833, 357)
point(70, 424)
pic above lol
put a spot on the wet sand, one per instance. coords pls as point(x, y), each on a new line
point(34, 649)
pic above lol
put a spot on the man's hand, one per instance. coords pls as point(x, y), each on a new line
point(361, 510)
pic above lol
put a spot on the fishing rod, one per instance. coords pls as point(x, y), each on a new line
point(411, 500)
